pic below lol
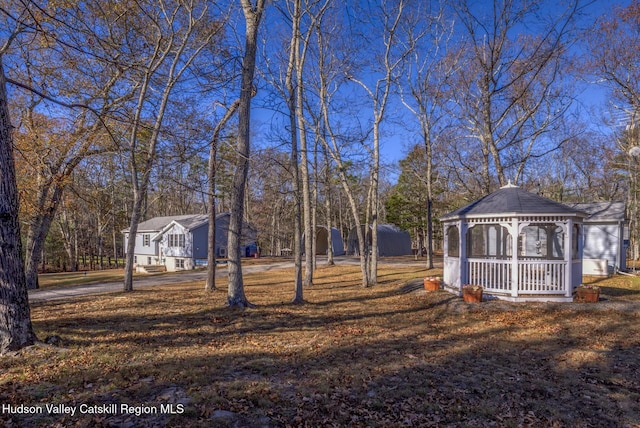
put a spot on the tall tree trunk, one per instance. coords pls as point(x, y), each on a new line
point(327, 203)
point(310, 238)
point(38, 231)
point(67, 238)
point(131, 242)
point(253, 15)
point(334, 151)
point(115, 245)
point(298, 296)
point(429, 153)
point(375, 173)
point(16, 330)
point(210, 284)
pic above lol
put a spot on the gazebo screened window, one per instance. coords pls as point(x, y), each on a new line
point(488, 241)
point(541, 241)
point(453, 238)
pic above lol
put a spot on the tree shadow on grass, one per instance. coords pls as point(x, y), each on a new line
point(479, 368)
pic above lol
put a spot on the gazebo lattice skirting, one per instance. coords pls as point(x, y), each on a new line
point(518, 246)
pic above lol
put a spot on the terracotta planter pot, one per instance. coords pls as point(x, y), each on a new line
point(587, 295)
point(472, 296)
point(431, 284)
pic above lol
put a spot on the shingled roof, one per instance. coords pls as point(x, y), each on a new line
point(513, 200)
point(156, 224)
point(603, 211)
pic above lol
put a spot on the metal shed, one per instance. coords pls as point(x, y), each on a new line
point(322, 241)
point(392, 241)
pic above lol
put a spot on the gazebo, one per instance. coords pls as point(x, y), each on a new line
point(517, 245)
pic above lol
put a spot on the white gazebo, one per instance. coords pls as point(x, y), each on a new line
point(517, 245)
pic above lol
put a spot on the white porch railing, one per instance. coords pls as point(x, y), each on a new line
point(493, 275)
point(534, 277)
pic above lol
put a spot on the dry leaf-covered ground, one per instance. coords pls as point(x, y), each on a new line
point(391, 355)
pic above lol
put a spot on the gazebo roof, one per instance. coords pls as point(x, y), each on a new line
point(513, 200)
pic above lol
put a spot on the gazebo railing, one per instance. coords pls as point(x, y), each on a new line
point(541, 277)
point(492, 274)
point(534, 276)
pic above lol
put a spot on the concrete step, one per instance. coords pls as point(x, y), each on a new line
point(152, 268)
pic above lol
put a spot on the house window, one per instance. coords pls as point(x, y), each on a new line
point(148, 260)
point(176, 240)
point(146, 240)
point(180, 263)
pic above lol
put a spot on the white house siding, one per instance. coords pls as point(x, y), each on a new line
point(182, 252)
point(144, 255)
point(171, 263)
point(175, 257)
point(602, 241)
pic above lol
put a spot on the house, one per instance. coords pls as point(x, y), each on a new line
point(180, 242)
point(392, 241)
point(604, 237)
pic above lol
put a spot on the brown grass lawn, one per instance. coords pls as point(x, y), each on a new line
point(68, 279)
point(391, 355)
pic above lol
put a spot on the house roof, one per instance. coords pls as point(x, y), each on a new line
point(602, 211)
point(156, 224)
point(513, 200)
point(159, 225)
point(193, 221)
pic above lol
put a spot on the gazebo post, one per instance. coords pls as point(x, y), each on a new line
point(514, 257)
point(464, 273)
point(568, 258)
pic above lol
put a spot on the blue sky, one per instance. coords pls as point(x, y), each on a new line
point(397, 139)
point(592, 95)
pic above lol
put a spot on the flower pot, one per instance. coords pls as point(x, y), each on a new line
point(472, 296)
point(431, 284)
point(587, 295)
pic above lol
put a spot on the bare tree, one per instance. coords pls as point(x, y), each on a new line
point(16, 330)
point(253, 15)
point(210, 284)
point(302, 49)
point(51, 146)
point(331, 68)
point(511, 92)
point(173, 37)
point(428, 72)
point(384, 67)
point(290, 94)
point(613, 49)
